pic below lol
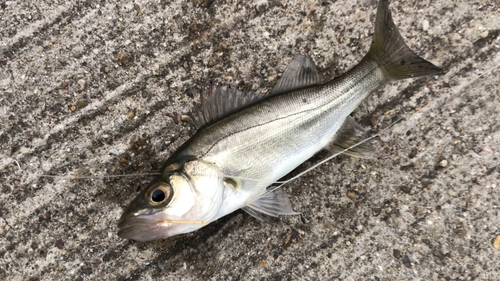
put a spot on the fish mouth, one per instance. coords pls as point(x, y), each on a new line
point(142, 228)
point(148, 227)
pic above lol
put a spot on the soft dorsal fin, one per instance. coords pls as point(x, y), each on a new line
point(348, 135)
point(300, 73)
point(220, 102)
point(273, 203)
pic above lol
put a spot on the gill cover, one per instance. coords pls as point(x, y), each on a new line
point(184, 198)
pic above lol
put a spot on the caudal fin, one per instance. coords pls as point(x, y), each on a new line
point(390, 51)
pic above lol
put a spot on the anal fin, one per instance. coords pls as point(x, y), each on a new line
point(271, 204)
point(348, 135)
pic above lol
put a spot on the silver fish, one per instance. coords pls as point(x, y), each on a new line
point(246, 142)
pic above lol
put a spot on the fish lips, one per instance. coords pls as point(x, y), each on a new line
point(154, 226)
point(143, 227)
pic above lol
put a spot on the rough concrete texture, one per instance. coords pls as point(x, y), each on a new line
point(98, 88)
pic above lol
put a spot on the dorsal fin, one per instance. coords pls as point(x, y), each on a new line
point(223, 101)
point(220, 102)
point(300, 73)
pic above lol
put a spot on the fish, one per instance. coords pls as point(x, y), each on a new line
point(245, 141)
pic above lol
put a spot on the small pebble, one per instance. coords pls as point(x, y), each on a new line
point(484, 34)
point(351, 195)
point(73, 108)
point(81, 82)
point(130, 115)
point(425, 25)
point(396, 253)
point(223, 45)
point(81, 104)
point(443, 163)
point(287, 238)
point(185, 118)
point(59, 244)
point(496, 242)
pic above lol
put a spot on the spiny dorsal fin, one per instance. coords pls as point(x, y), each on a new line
point(221, 102)
point(272, 204)
point(300, 73)
point(349, 134)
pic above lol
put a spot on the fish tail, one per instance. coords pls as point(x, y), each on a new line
point(389, 50)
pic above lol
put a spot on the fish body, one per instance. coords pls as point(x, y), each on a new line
point(246, 142)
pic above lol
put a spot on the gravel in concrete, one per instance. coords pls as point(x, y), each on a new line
point(99, 88)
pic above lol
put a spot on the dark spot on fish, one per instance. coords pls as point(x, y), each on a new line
point(402, 62)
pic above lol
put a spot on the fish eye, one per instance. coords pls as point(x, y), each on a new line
point(159, 193)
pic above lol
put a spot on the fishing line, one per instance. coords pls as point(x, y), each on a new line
point(99, 177)
point(19, 166)
point(234, 177)
point(329, 158)
point(184, 222)
point(476, 78)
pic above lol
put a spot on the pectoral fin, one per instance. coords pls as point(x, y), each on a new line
point(272, 204)
point(348, 135)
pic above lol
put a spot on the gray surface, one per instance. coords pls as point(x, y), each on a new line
point(398, 216)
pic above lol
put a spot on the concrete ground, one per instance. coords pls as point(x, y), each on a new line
point(98, 88)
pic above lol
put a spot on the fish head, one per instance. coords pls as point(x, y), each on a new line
point(183, 199)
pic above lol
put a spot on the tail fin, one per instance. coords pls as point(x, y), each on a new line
point(390, 51)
